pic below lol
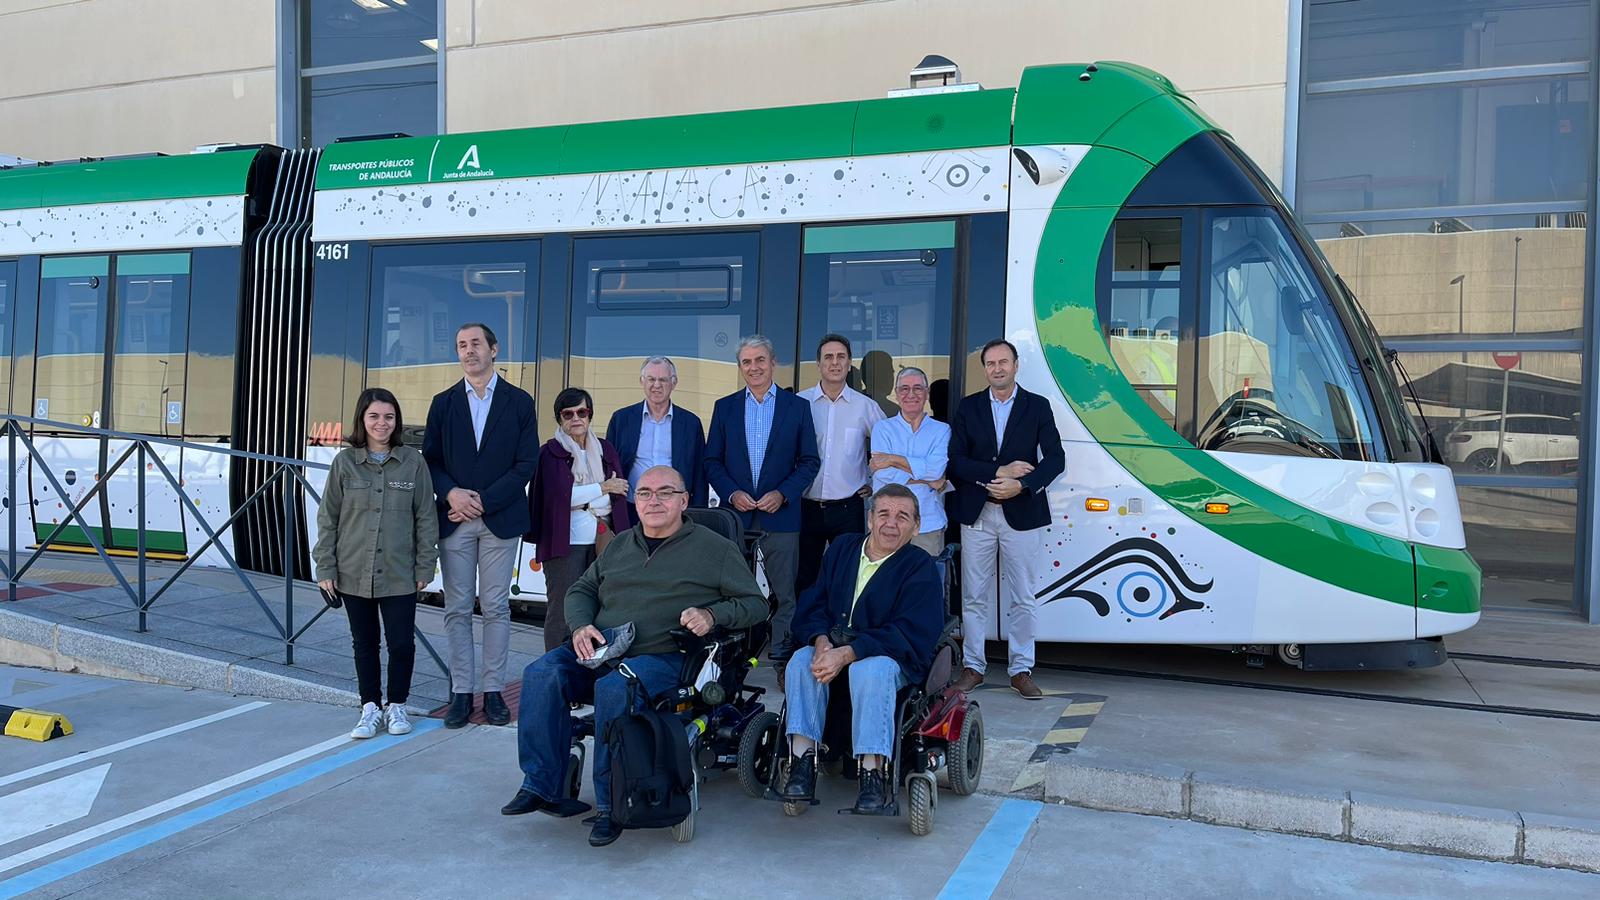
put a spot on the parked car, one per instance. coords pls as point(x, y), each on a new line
point(1546, 443)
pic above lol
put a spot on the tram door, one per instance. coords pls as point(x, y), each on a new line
point(111, 353)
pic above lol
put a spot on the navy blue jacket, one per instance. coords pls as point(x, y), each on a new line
point(789, 467)
point(688, 445)
point(900, 614)
point(499, 470)
point(976, 454)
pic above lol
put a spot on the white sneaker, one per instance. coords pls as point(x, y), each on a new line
point(398, 723)
point(371, 721)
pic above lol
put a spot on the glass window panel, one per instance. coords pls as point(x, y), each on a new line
point(339, 32)
point(152, 339)
point(1446, 145)
point(422, 295)
point(1276, 373)
point(383, 101)
point(1524, 538)
point(894, 304)
point(1465, 394)
point(1494, 275)
point(70, 376)
point(1361, 38)
point(1142, 316)
point(8, 300)
point(688, 297)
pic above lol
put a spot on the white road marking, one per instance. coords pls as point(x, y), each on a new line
point(32, 810)
point(36, 771)
point(69, 841)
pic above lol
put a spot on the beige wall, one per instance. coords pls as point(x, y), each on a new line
point(514, 63)
point(105, 77)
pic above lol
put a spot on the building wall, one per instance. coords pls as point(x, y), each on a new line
point(106, 77)
point(514, 63)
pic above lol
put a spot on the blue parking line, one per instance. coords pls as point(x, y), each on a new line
point(986, 863)
point(148, 835)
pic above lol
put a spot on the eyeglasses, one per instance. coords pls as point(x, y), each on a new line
point(569, 415)
point(911, 389)
point(645, 495)
point(656, 381)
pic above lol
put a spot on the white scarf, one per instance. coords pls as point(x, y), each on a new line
point(588, 467)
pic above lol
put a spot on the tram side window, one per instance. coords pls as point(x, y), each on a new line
point(70, 375)
point(1276, 373)
point(890, 289)
point(688, 297)
point(421, 295)
point(148, 362)
point(8, 295)
point(1142, 310)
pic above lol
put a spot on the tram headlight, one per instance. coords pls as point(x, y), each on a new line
point(1043, 165)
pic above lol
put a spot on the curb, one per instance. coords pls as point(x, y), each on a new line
point(30, 641)
point(1398, 823)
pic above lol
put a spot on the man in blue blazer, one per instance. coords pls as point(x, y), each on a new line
point(656, 433)
point(481, 445)
point(760, 457)
point(1004, 452)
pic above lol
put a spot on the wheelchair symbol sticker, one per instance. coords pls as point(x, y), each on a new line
point(41, 408)
point(174, 412)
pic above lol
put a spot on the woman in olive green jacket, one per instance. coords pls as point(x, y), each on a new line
point(377, 545)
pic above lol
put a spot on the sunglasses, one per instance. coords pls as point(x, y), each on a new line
point(569, 415)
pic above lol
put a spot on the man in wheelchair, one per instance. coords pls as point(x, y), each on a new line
point(877, 608)
point(663, 574)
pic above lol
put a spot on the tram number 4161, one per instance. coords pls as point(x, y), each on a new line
point(333, 252)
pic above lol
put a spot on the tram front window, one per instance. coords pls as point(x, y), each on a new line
point(1276, 373)
point(422, 294)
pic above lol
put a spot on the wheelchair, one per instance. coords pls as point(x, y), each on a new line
point(712, 697)
point(938, 729)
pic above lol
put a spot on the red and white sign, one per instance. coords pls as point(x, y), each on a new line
point(1507, 361)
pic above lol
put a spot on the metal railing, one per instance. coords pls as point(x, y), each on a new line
point(287, 476)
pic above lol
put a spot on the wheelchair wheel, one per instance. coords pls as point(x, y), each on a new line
point(574, 773)
point(683, 832)
point(964, 760)
point(758, 747)
point(919, 796)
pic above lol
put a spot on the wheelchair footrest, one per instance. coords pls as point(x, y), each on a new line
point(891, 808)
point(565, 808)
point(774, 795)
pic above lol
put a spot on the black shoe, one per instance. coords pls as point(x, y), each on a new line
point(460, 710)
point(802, 783)
point(524, 802)
point(603, 832)
point(494, 708)
point(872, 796)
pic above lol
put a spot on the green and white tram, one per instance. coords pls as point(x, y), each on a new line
point(1241, 468)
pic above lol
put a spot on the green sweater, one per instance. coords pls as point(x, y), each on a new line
point(695, 567)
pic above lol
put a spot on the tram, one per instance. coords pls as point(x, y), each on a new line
point(1242, 469)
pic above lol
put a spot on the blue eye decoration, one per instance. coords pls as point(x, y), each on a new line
point(1156, 588)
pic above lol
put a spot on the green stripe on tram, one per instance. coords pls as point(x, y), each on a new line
point(221, 174)
point(121, 538)
point(1056, 107)
point(873, 238)
point(152, 264)
point(74, 266)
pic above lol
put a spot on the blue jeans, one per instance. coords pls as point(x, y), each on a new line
point(550, 685)
point(873, 684)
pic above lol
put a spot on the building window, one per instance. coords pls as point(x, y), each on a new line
point(1443, 164)
point(359, 67)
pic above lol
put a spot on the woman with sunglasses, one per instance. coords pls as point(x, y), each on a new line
point(377, 544)
point(578, 477)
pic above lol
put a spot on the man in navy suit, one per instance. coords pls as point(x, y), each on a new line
point(760, 457)
point(1004, 452)
point(656, 433)
point(481, 445)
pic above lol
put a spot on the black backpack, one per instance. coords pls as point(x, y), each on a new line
point(651, 776)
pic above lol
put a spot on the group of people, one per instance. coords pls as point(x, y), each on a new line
point(854, 581)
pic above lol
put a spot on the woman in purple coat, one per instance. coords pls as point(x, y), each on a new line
point(571, 505)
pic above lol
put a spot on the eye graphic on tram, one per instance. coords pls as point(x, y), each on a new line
point(1144, 579)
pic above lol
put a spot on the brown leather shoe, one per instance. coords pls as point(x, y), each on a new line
point(1022, 683)
point(969, 680)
